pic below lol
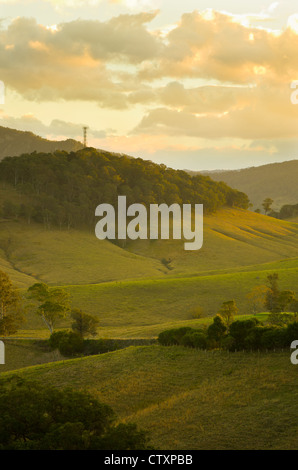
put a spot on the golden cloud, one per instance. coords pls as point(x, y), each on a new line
point(121, 63)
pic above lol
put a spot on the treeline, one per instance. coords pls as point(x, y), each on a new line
point(287, 211)
point(63, 189)
point(279, 330)
point(240, 335)
point(71, 343)
point(36, 416)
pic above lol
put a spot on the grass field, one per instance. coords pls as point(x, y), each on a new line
point(190, 399)
point(133, 291)
point(140, 308)
point(186, 399)
point(233, 239)
point(25, 353)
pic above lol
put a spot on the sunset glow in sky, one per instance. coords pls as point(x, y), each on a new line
point(194, 84)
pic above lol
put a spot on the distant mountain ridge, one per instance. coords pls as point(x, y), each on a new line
point(275, 180)
point(14, 143)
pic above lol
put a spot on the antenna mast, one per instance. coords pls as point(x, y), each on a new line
point(85, 135)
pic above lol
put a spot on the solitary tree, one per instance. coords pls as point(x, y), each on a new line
point(256, 298)
point(217, 329)
point(276, 300)
point(272, 295)
point(53, 303)
point(84, 324)
point(267, 203)
point(227, 312)
point(10, 306)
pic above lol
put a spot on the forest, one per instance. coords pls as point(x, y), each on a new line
point(63, 189)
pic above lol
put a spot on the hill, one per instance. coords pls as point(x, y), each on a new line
point(276, 180)
point(190, 399)
point(63, 189)
point(14, 143)
point(149, 286)
point(139, 287)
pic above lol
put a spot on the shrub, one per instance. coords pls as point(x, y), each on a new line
point(279, 319)
point(291, 332)
point(217, 329)
point(254, 339)
point(173, 336)
point(196, 312)
point(99, 346)
point(69, 343)
point(195, 339)
point(228, 343)
point(274, 338)
point(56, 338)
point(239, 330)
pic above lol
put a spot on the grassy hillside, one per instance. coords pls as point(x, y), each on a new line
point(276, 180)
point(142, 308)
point(33, 254)
point(149, 286)
point(233, 239)
point(185, 398)
point(25, 353)
point(189, 399)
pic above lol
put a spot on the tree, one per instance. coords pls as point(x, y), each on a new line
point(196, 312)
point(217, 329)
point(69, 343)
point(279, 319)
point(276, 300)
point(286, 297)
point(53, 303)
point(256, 298)
point(41, 417)
point(10, 306)
point(84, 324)
point(267, 203)
point(272, 295)
point(227, 312)
point(240, 329)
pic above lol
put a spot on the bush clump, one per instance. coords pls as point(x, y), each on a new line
point(68, 343)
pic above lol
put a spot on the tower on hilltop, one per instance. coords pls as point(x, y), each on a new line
point(85, 136)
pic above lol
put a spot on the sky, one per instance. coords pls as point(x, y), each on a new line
point(193, 84)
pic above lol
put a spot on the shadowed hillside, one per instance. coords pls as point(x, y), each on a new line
point(187, 398)
point(14, 143)
point(277, 181)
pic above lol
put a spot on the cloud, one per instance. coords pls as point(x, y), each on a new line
point(258, 118)
point(72, 62)
point(61, 4)
point(57, 128)
point(221, 48)
point(121, 64)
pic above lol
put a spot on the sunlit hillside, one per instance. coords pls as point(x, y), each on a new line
point(233, 238)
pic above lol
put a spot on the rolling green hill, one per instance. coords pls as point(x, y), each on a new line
point(185, 398)
point(190, 399)
point(233, 239)
point(132, 291)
